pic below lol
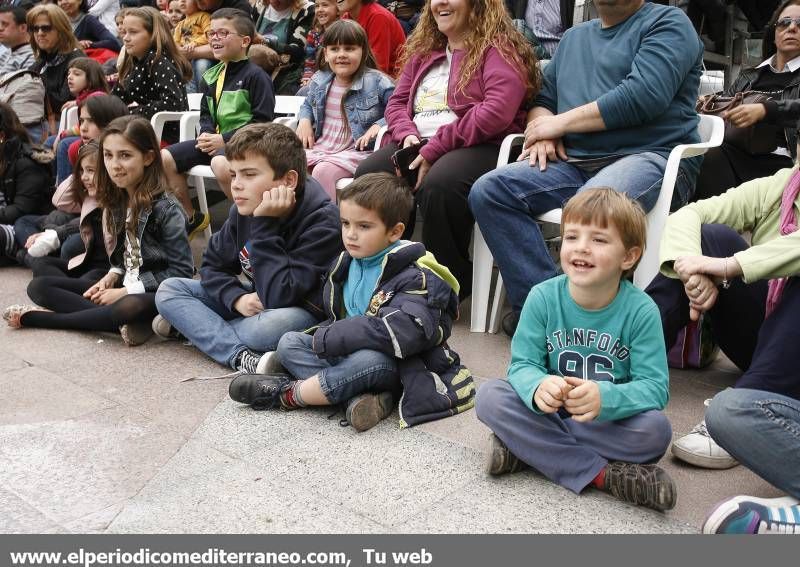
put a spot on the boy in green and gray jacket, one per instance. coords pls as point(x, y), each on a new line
point(235, 93)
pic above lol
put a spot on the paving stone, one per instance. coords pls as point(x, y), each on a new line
point(19, 517)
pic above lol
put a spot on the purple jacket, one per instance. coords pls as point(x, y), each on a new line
point(489, 108)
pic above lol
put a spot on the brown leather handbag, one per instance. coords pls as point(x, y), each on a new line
point(757, 139)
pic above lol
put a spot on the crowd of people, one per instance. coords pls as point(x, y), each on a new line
point(316, 295)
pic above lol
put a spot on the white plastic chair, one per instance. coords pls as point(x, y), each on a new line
point(68, 119)
point(711, 130)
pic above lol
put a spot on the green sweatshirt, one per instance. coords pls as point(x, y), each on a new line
point(753, 207)
point(620, 346)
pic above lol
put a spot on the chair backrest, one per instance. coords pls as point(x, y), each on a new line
point(194, 100)
point(288, 105)
point(69, 118)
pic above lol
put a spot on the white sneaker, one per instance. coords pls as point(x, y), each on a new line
point(45, 244)
point(269, 363)
point(699, 449)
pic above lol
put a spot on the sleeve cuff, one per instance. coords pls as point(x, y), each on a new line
point(135, 288)
point(118, 271)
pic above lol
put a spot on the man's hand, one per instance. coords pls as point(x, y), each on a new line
point(305, 131)
point(248, 304)
point(210, 143)
point(364, 141)
point(108, 281)
point(276, 202)
point(422, 166)
point(746, 115)
point(85, 43)
point(551, 393)
point(542, 151)
point(702, 292)
point(583, 400)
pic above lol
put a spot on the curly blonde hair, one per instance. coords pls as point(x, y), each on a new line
point(488, 25)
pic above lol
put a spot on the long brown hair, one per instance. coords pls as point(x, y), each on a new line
point(488, 25)
point(95, 77)
point(161, 41)
point(89, 149)
point(67, 42)
point(14, 135)
point(138, 132)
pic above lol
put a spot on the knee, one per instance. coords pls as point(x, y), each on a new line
point(169, 289)
point(489, 397)
point(37, 290)
point(288, 342)
point(721, 413)
point(658, 432)
point(220, 165)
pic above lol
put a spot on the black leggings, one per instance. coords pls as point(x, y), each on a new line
point(54, 266)
point(73, 311)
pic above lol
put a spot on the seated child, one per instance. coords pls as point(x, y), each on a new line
point(325, 13)
point(235, 93)
point(189, 33)
point(175, 14)
point(281, 234)
point(390, 309)
point(588, 374)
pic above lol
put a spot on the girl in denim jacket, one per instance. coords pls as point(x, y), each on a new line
point(146, 232)
point(344, 108)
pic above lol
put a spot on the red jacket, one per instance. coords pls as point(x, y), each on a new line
point(489, 108)
point(385, 35)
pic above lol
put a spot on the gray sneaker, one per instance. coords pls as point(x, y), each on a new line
point(699, 449)
point(164, 329)
point(500, 460)
point(367, 410)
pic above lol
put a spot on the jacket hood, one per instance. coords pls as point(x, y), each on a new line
point(407, 252)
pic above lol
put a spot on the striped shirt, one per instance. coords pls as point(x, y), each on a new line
point(544, 18)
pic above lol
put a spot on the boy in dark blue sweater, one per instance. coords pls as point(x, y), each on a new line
point(281, 233)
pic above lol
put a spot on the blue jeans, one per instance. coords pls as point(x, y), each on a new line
point(72, 246)
point(25, 226)
point(63, 166)
point(205, 322)
point(568, 452)
point(199, 66)
point(341, 377)
point(35, 131)
point(762, 431)
point(506, 201)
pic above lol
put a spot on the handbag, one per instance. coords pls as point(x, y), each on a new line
point(695, 346)
point(757, 139)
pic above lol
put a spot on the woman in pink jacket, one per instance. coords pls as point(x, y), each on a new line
point(467, 73)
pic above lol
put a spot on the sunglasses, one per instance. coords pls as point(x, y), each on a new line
point(42, 29)
point(784, 23)
point(221, 34)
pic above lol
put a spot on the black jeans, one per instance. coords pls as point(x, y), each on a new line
point(442, 200)
point(765, 349)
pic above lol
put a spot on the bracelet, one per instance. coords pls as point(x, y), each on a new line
point(725, 283)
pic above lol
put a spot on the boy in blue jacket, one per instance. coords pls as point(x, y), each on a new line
point(588, 374)
point(280, 235)
point(390, 309)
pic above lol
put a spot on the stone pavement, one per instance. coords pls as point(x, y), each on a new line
point(99, 437)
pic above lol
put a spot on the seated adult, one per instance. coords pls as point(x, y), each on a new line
point(547, 20)
point(14, 35)
point(748, 291)
point(779, 77)
point(614, 102)
point(283, 26)
point(464, 120)
point(759, 429)
point(54, 46)
point(384, 32)
point(88, 29)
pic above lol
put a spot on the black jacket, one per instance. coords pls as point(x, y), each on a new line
point(26, 182)
point(288, 257)
point(53, 71)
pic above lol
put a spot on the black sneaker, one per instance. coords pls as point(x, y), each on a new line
point(644, 485)
point(248, 362)
point(500, 460)
point(258, 390)
point(367, 410)
point(197, 224)
point(509, 323)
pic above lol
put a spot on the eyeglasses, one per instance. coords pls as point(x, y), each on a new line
point(43, 29)
point(784, 23)
point(221, 34)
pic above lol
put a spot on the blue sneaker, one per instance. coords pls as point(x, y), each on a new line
point(750, 515)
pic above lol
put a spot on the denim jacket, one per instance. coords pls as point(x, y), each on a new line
point(364, 104)
point(164, 244)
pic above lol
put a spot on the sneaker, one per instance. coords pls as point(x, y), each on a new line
point(699, 449)
point(643, 485)
point(509, 323)
point(249, 362)
point(164, 329)
point(135, 334)
point(750, 515)
point(269, 363)
point(367, 410)
point(13, 314)
point(500, 460)
point(259, 391)
point(197, 224)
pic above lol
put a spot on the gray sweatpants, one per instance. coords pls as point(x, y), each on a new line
point(568, 452)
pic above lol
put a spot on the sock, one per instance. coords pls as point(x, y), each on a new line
point(599, 481)
point(291, 397)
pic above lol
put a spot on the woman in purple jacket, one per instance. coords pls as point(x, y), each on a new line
point(466, 75)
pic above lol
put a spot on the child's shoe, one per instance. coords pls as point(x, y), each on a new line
point(251, 362)
point(750, 515)
point(269, 363)
point(500, 460)
point(259, 391)
point(699, 449)
point(197, 224)
point(644, 485)
point(164, 329)
point(367, 410)
point(135, 334)
point(13, 314)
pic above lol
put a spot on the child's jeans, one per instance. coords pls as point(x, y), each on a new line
point(568, 452)
point(201, 319)
point(199, 66)
point(341, 377)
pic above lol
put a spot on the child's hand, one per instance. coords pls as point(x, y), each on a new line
point(304, 81)
point(109, 296)
point(583, 400)
point(306, 133)
point(188, 48)
point(31, 239)
point(551, 393)
point(276, 202)
point(248, 304)
point(108, 281)
point(210, 143)
point(85, 43)
point(364, 141)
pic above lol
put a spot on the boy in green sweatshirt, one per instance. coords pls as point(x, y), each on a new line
point(588, 374)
